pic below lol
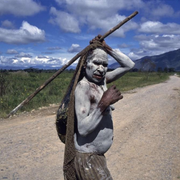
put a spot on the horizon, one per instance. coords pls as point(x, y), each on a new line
point(71, 67)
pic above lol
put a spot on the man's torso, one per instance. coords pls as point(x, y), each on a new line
point(100, 140)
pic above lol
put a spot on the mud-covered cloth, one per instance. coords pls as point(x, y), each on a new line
point(91, 166)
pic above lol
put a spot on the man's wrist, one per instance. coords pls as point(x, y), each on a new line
point(102, 105)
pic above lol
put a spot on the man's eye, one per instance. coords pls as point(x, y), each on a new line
point(105, 65)
point(96, 63)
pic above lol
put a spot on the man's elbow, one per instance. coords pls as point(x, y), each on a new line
point(83, 132)
point(131, 65)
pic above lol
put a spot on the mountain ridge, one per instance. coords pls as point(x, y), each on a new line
point(168, 60)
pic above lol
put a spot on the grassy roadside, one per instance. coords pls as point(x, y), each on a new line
point(134, 80)
point(19, 85)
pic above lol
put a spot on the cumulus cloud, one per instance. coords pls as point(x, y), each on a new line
point(11, 51)
point(157, 9)
point(156, 38)
point(6, 60)
point(64, 20)
point(135, 55)
point(22, 54)
point(7, 24)
point(48, 52)
point(123, 45)
point(54, 48)
point(160, 28)
point(20, 8)
point(155, 44)
point(104, 14)
point(26, 60)
point(162, 10)
point(101, 7)
point(99, 14)
point(42, 57)
point(74, 48)
point(26, 34)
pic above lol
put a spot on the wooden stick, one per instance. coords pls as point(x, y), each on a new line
point(67, 65)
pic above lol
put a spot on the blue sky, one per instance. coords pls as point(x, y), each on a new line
point(48, 33)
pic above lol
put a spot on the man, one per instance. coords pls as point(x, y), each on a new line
point(93, 105)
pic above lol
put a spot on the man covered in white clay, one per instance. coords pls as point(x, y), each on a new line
point(93, 106)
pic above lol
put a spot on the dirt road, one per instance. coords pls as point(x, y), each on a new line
point(146, 139)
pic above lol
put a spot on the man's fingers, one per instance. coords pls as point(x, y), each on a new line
point(113, 87)
point(118, 91)
point(99, 35)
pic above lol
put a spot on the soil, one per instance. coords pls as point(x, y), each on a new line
point(146, 139)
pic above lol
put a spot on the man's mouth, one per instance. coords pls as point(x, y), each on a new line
point(98, 76)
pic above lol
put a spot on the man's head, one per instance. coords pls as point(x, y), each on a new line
point(96, 65)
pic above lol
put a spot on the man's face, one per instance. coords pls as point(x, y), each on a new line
point(96, 67)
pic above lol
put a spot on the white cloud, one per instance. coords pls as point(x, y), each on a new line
point(7, 24)
point(134, 55)
point(23, 55)
point(42, 57)
point(162, 10)
point(110, 22)
point(101, 7)
point(20, 7)
point(11, 51)
point(123, 45)
point(155, 44)
point(160, 28)
point(54, 48)
point(4, 60)
point(101, 14)
point(26, 34)
point(156, 9)
point(26, 60)
point(64, 20)
point(157, 38)
point(74, 48)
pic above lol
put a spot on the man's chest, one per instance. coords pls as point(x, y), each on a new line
point(96, 93)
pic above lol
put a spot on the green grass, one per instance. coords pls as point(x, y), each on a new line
point(133, 80)
point(19, 85)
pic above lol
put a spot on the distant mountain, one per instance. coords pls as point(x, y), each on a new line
point(46, 67)
point(167, 60)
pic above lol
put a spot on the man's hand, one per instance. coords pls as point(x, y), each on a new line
point(112, 95)
point(103, 43)
point(109, 97)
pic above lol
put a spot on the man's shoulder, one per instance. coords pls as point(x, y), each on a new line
point(83, 84)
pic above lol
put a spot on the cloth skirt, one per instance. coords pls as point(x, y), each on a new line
point(91, 166)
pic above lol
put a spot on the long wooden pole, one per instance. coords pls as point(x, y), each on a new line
point(68, 64)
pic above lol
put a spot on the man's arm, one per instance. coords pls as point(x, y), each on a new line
point(125, 62)
point(86, 121)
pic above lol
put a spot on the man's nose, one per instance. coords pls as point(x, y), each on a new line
point(101, 68)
